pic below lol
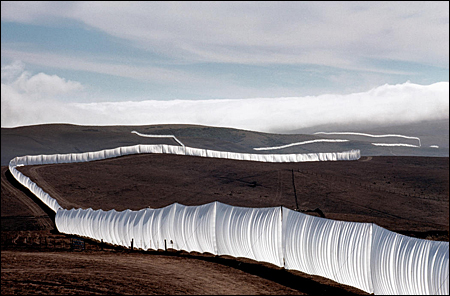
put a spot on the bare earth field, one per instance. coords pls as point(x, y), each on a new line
point(106, 272)
point(397, 193)
point(408, 195)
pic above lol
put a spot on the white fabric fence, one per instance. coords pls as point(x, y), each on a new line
point(362, 255)
point(333, 249)
point(169, 149)
point(36, 190)
point(403, 265)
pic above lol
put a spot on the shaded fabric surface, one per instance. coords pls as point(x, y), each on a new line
point(362, 255)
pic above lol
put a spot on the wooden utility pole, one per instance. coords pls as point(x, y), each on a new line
point(295, 191)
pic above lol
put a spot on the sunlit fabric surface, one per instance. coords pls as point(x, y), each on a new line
point(362, 255)
point(403, 265)
point(333, 249)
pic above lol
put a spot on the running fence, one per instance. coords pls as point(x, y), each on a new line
point(362, 255)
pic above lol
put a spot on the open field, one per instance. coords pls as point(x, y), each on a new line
point(30, 270)
point(36, 259)
point(398, 193)
point(405, 194)
point(409, 197)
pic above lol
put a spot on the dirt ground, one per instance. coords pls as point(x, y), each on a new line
point(398, 193)
point(409, 195)
point(127, 273)
point(148, 273)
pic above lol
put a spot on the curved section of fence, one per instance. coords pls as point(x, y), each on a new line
point(395, 145)
point(180, 150)
point(169, 149)
point(36, 190)
point(362, 255)
point(158, 136)
point(369, 135)
point(302, 143)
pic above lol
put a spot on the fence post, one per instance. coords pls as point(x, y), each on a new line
point(132, 244)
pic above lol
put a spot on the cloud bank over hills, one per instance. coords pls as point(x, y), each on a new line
point(263, 66)
point(35, 99)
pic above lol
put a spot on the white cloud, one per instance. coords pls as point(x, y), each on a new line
point(338, 34)
point(335, 34)
point(386, 104)
point(25, 101)
point(12, 71)
point(142, 73)
point(29, 99)
point(42, 84)
point(18, 109)
point(35, 11)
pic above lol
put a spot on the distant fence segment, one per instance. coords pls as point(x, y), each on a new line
point(362, 255)
point(158, 136)
point(34, 188)
point(180, 150)
point(302, 143)
point(167, 149)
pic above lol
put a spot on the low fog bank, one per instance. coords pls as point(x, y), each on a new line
point(387, 105)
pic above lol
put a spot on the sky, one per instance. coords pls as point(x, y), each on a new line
point(264, 66)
